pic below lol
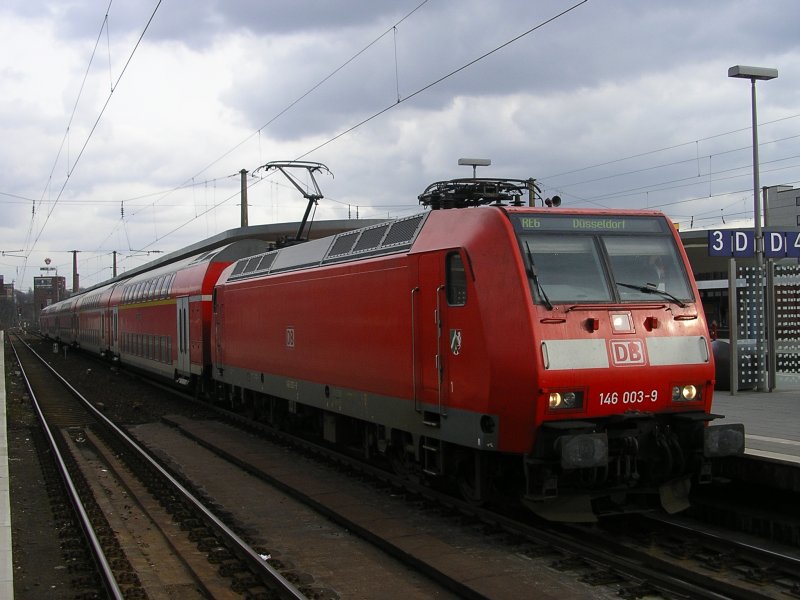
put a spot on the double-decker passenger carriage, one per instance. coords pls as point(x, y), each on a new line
point(59, 321)
point(95, 320)
point(561, 352)
point(162, 315)
point(156, 319)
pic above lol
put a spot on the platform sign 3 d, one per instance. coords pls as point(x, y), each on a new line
point(741, 243)
point(731, 242)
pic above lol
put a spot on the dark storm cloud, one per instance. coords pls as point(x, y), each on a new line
point(597, 43)
point(197, 23)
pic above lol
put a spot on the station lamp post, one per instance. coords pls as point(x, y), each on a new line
point(754, 74)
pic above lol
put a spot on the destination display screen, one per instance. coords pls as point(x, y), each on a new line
point(589, 223)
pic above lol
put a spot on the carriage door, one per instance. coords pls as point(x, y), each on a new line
point(216, 315)
point(184, 361)
point(114, 331)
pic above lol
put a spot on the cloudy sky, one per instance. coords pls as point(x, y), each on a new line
point(124, 124)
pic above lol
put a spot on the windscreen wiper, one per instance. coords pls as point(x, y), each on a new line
point(649, 288)
point(532, 273)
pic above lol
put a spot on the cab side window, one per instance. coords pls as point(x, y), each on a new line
point(456, 279)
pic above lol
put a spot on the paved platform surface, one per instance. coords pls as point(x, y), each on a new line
point(771, 421)
point(6, 565)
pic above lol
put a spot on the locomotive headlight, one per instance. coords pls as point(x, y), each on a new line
point(622, 322)
point(565, 400)
point(685, 393)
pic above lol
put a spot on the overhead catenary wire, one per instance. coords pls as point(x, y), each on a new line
point(259, 131)
point(31, 246)
point(69, 124)
point(442, 78)
point(665, 148)
point(97, 121)
point(380, 112)
point(190, 181)
point(300, 98)
point(663, 165)
point(710, 177)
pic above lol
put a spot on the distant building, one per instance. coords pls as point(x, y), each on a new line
point(782, 206)
point(7, 306)
point(48, 290)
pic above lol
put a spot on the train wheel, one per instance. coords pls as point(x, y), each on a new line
point(472, 478)
point(400, 462)
point(401, 456)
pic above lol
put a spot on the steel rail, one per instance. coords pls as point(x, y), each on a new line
point(260, 567)
point(106, 573)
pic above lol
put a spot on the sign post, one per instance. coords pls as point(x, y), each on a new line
point(733, 324)
point(744, 243)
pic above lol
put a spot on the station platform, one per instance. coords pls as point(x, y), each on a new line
point(771, 421)
point(6, 564)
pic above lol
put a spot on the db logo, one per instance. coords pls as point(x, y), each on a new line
point(628, 352)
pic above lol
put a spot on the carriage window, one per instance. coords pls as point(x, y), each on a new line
point(162, 287)
point(456, 280)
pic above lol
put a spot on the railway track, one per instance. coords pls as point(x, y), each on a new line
point(622, 557)
point(743, 562)
point(148, 535)
point(472, 552)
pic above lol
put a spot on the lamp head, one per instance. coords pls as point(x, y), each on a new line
point(760, 73)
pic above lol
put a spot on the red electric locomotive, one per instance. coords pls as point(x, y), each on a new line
point(561, 352)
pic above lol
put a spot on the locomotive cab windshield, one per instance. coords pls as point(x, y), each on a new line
point(607, 260)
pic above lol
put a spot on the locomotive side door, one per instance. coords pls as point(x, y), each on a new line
point(429, 304)
point(182, 305)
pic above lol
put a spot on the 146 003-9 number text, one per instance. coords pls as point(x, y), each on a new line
point(628, 397)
